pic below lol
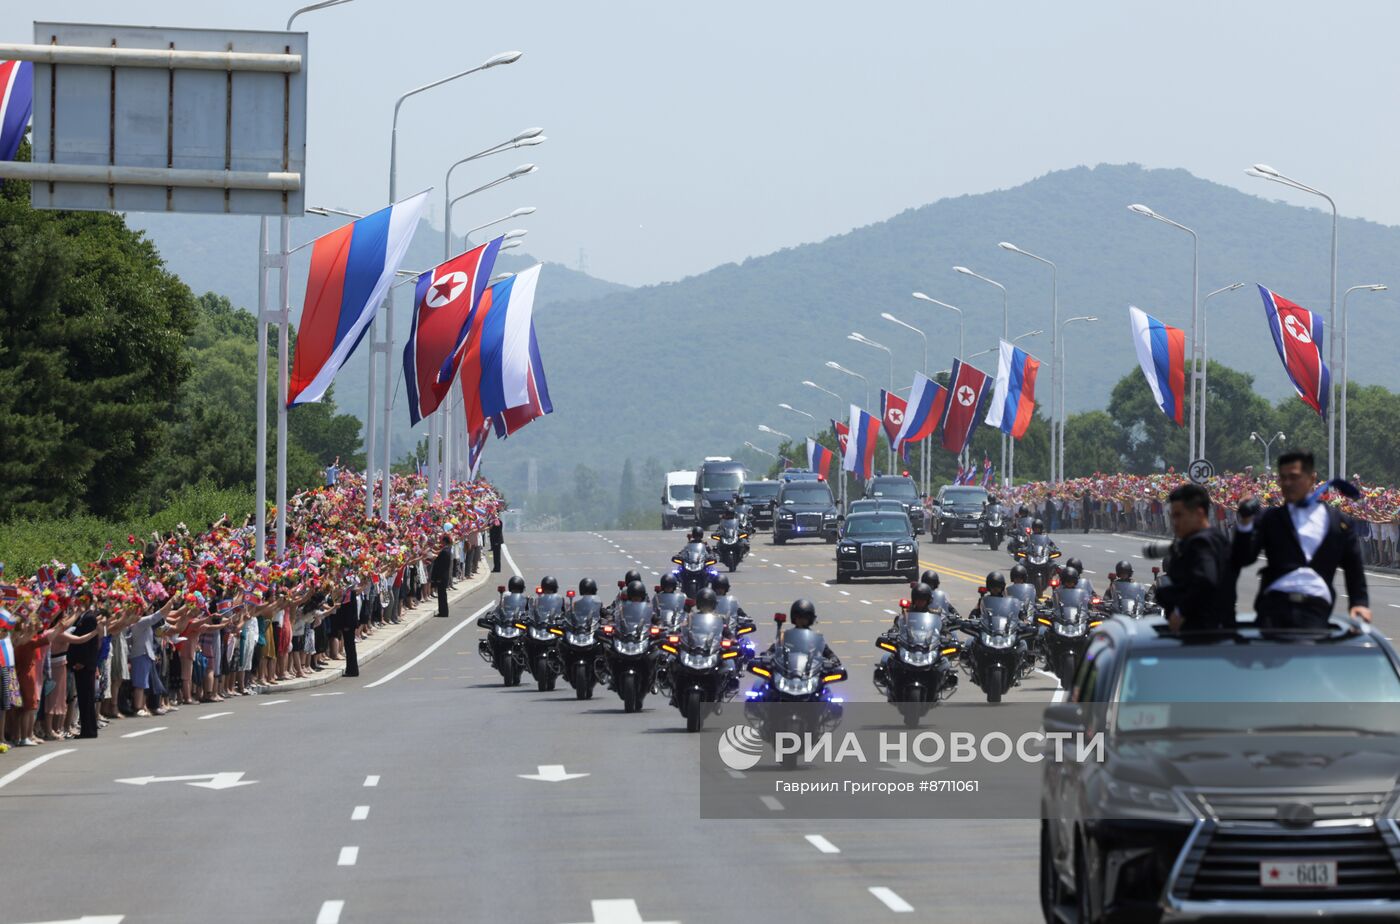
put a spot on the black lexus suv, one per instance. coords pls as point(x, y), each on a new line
point(1245, 776)
point(761, 496)
point(804, 510)
point(902, 489)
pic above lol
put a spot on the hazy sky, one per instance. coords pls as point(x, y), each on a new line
point(685, 136)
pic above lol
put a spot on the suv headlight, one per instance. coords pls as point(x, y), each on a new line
point(1120, 799)
point(785, 514)
point(828, 516)
point(906, 549)
point(847, 548)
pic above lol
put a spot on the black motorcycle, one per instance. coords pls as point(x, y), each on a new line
point(738, 627)
point(998, 653)
point(670, 609)
point(700, 678)
point(544, 628)
point(1038, 554)
point(794, 696)
point(1020, 529)
point(579, 650)
point(628, 647)
point(502, 648)
point(732, 543)
point(994, 527)
point(918, 669)
point(1128, 598)
point(695, 568)
point(1065, 634)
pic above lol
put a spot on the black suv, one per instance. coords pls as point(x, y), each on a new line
point(902, 489)
point(957, 509)
point(760, 496)
point(804, 510)
point(877, 544)
point(1281, 804)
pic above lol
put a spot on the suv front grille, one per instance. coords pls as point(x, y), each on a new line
point(1262, 806)
point(809, 520)
point(1223, 864)
point(876, 556)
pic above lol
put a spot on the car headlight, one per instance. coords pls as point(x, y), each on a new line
point(847, 549)
point(699, 662)
point(991, 640)
point(795, 686)
point(904, 549)
point(785, 515)
point(828, 516)
point(1120, 799)
point(916, 658)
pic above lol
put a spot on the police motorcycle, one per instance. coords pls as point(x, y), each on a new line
point(1039, 554)
point(1020, 529)
point(503, 646)
point(671, 607)
point(793, 694)
point(1129, 598)
point(920, 665)
point(997, 653)
point(1069, 618)
point(743, 512)
point(628, 642)
point(544, 629)
point(694, 566)
point(731, 541)
point(993, 526)
point(738, 625)
point(699, 675)
point(579, 648)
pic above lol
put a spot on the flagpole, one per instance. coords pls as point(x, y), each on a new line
point(260, 478)
point(284, 349)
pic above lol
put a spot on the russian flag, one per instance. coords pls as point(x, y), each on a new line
point(537, 405)
point(1161, 352)
point(1013, 396)
point(967, 388)
point(351, 270)
point(819, 457)
point(860, 444)
point(505, 344)
point(923, 411)
point(1298, 337)
point(16, 104)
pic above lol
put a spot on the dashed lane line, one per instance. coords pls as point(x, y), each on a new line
point(349, 856)
point(360, 813)
point(771, 803)
point(213, 715)
point(145, 731)
point(371, 781)
point(822, 844)
point(891, 899)
point(330, 912)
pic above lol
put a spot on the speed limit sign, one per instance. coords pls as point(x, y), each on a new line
point(1201, 471)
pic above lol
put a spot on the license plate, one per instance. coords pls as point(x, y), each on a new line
point(1299, 874)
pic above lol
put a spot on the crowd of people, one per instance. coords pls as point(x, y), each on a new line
point(1138, 503)
point(194, 617)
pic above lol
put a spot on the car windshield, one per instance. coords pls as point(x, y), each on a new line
point(1277, 672)
point(900, 488)
point(811, 492)
point(722, 481)
point(681, 492)
point(877, 524)
point(760, 491)
point(965, 496)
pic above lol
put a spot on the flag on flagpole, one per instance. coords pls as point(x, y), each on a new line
point(842, 433)
point(351, 269)
point(1298, 336)
point(986, 470)
point(476, 445)
point(1013, 397)
point(892, 411)
point(819, 458)
point(537, 389)
point(443, 301)
point(967, 387)
point(1161, 352)
point(960, 476)
point(860, 444)
point(505, 343)
point(16, 104)
point(923, 411)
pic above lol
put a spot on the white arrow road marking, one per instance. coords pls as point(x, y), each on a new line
point(348, 856)
point(224, 780)
point(619, 911)
point(822, 844)
point(360, 813)
point(330, 912)
point(21, 770)
point(91, 919)
point(892, 901)
point(145, 731)
point(551, 773)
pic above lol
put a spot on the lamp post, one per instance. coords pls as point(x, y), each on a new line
point(324, 4)
point(1255, 437)
point(1194, 398)
point(778, 433)
point(1265, 172)
point(840, 402)
point(789, 407)
point(1064, 412)
point(1346, 321)
point(518, 213)
point(923, 452)
point(861, 338)
point(840, 368)
point(772, 455)
point(1205, 358)
point(1055, 475)
point(962, 329)
point(1005, 326)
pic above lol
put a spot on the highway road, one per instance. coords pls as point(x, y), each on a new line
point(405, 794)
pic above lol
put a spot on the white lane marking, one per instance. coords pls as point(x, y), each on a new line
point(891, 899)
point(778, 565)
point(1139, 558)
point(434, 646)
point(623, 551)
point(1396, 605)
point(806, 577)
point(213, 715)
point(145, 731)
point(274, 702)
point(22, 769)
point(348, 856)
point(792, 571)
point(822, 844)
point(1059, 695)
point(619, 911)
point(773, 804)
point(844, 593)
point(1111, 551)
point(764, 560)
point(371, 781)
point(1087, 571)
point(867, 603)
point(360, 813)
point(505, 551)
point(735, 774)
point(891, 612)
point(336, 693)
point(330, 912)
point(656, 572)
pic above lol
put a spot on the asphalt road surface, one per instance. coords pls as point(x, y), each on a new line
point(404, 795)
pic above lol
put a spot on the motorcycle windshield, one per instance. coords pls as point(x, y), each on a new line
point(727, 607)
point(634, 618)
point(515, 606)
point(1127, 592)
point(1000, 614)
point(703, 631)
point(1073, 597)
point(583, 615)
point(729, 532)
point(1038, 549)
point(671, 601)
point(693, 556)
point(1023, 592)
point(800, 654)
point(939, 603)
point(920, 629)
point(548, 609)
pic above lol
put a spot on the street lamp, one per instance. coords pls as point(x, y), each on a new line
point(1055, 373)
point(961, 327)
point(1265, 172)
point(1346, 321)
point(1005, 330)
point(924, 471)
point(772, 455)
point(518, 213)
point(840, 368)
point(1197, 401)
point(1255, 437)
point(1064, 411)
point(789, 407)
point(324, 4)
point(1205, 355)
point(840, 402)
point(770, 431)
point(861, 338)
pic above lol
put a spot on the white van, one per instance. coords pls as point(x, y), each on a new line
point(678, 500)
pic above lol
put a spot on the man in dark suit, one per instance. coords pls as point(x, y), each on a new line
point(1199, 592)
point(496, 543)
point(442, 574)
point(82, 668)
point(1305, 541)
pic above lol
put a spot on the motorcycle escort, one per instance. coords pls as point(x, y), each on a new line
point(1066, 631)
point(997, 654)
point(794, 675)
point(994, 526)
point(918, 669)
point(1038, 553)
point(628, 648)
point(695, 568)
point(579, 649)
point(544, 630)
point(732, 542)
point(502, 648)
point(698, 674)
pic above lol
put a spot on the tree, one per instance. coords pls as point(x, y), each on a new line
point(1091, 444)
point(626, 493)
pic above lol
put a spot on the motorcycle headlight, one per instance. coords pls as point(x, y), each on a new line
point(505, 630)
point(916, 658)
point(539, 633)
point(991, 640)
point(631, 648)
point(1071, 629)
point(795, 686)
point(1137, 800)
point(699, 662)
point(580, 639)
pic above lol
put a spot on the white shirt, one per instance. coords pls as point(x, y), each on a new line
point(1310, 523)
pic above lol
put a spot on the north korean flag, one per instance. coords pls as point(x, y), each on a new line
point(892, 410)
point(1298, 336)
point(967, 389)
point(841, 433)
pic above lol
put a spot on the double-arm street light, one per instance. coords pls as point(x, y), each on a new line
point(1055, 474)
point(1346, 321)
point(1266, 443)
point(858, 337)
point(840, 368)
point(962, 327)
point(1064, 367)
point(1005, 329)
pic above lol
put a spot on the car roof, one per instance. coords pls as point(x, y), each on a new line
point(891, 478)
point(1153, 633)
point(873, 514)
point(760, 481)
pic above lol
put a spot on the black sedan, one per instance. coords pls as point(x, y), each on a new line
point(877, 544)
